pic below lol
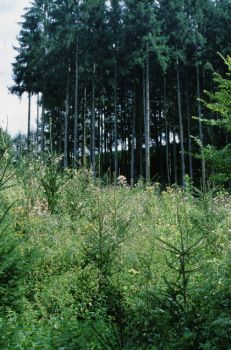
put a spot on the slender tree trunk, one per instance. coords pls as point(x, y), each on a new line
point(37, 123)
point(100, 150)
point(97, 136)
point(29, 122)
point(105, 141)
point(200, 128)
point(140, 146)
point(84, 145)
point(44, 40)
point(115, 124)
point(103, 135)
point(76, 153)
point(51, 135)
point(156, 134)
point(139, 130)
point(174, 156)
point(189, 131)
point(160, 137)
point(42, 125)
point(93, 124)
point(60, 138)
point(181, 127)
point(66, 122)
point(166, 134)
point(133, 140)
point(147, 118)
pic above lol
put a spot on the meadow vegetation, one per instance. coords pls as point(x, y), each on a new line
point(89, 266)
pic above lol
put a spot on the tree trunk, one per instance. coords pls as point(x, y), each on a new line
point(200, 128)
point(51, 136)
point(139, 128)
point(84, 142)
point(147, 118)
point(37, 123)
point(133, 140)
point(189, 131)
point(100, 149)
point(174, 157)
point(105, 140)
point(115, 125)
point(29, 122)
point(76, 153)
point(181, 127)
point(66, 122)
point(60, 131)
point(42, 125)
point(160, 137)
point(166, 134)
point(92, 150)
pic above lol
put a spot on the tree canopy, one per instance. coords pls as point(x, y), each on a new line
point(115, 76)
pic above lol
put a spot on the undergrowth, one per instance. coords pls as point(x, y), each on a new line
point(88, 266)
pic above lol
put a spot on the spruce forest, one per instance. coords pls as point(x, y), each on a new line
point(115, 225)
point(118, 82)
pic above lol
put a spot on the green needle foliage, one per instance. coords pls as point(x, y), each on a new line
point(219, 103)
point(52, 180)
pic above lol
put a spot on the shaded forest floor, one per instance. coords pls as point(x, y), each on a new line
point(88, 266)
